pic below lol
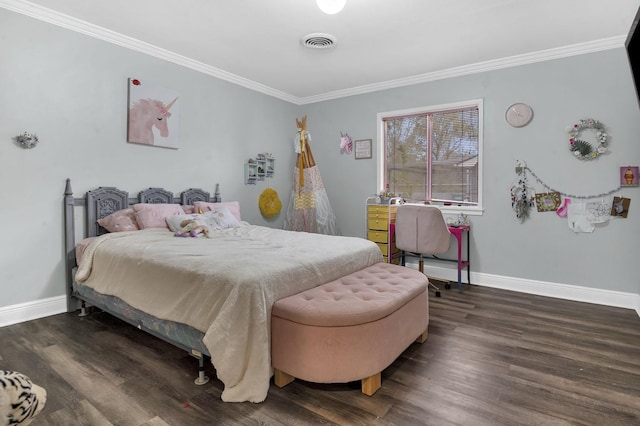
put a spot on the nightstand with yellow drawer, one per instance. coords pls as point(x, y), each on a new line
point(379, 217)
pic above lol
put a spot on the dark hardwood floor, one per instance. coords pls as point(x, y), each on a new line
point(493, 357)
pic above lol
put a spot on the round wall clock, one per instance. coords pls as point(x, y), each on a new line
point(519, 114)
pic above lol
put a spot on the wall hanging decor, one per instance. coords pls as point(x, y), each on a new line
point(518, 114)
point(269, 203)
point(585, 150)
point(620, 207)
point(522, 195)
point(27, 140)
point(153, 114)
point(583, 212)
point(362, 149)
point(346, 144)
point(260, 168)
point(548, 201)
point(629, 176)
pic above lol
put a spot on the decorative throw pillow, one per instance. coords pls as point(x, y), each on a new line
point(20, 399)
point(119, 221)
point(154, 215)
point(224, 217)
point(232, 206)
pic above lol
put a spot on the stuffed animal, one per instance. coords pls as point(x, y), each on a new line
point(20, 399)
point(192, 228)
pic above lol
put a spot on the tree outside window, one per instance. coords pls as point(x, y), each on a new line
point(433, 154)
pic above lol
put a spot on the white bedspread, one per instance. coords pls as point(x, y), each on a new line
point(223, 286)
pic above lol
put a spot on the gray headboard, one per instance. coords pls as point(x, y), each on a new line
point(103, 201)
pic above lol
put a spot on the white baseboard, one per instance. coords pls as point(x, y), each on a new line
point(541, 288)
point(28, 311)
point(56, 305)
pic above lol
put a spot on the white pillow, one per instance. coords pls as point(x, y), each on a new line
point(233, 206)
point(223, 217)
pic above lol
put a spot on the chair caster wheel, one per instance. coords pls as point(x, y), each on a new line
point(438, 294)
point(447, 286)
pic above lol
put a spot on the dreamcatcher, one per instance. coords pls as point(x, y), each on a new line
point(522, 195)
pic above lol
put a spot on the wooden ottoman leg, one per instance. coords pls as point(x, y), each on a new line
point(371, 384)
point(423, 337)
point(282, 379)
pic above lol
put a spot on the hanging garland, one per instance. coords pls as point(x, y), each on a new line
point(583, 149)
point(565, 194)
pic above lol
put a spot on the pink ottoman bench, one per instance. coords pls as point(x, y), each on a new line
point(351, 328)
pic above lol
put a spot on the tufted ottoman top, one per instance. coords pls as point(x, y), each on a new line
point(361, 297)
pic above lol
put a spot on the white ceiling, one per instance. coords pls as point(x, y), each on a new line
point(380, 43)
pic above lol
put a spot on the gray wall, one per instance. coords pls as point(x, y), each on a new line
point(561, 91)
point(71, 90)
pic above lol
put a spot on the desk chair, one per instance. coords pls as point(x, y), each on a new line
point(421, 230)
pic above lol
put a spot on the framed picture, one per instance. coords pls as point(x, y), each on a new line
point(620, 207)
point(362, 149)
point(153, 114)
point(548, 201)
point(629, 176)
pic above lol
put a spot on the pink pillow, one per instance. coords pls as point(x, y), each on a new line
point(119, 221)
point(232, 206)
point(153, 215)
point(188, 209)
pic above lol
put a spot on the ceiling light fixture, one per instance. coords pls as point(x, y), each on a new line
point(331, 7)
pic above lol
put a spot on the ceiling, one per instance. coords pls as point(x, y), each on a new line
point(380, 43)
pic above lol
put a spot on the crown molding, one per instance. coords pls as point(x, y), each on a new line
point(496, 64)
point(77, 25)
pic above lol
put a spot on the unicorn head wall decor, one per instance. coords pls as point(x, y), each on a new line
point(154, 113)
point(146, 114)
point(345, 142)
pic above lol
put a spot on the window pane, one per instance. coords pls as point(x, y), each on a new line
point(454, 154)
point(433, 156)
point(406, 167)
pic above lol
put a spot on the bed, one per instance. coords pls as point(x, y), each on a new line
point(211, 296)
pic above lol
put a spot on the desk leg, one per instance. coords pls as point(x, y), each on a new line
point(468, 261)
point(459, 240)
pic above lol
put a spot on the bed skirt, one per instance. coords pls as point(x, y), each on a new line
point(178, 334)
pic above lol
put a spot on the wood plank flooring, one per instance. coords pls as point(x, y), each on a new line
point(493, 357)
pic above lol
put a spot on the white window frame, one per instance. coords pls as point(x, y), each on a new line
point(470, 210)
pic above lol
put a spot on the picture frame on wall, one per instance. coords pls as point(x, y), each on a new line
point(153, 114)
point(629, 176)
point(362, 149)
point(620, 207)
point(548, 201)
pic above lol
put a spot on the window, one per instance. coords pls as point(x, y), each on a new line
point(433, 154)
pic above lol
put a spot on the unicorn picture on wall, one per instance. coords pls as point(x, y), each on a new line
point(153, 115)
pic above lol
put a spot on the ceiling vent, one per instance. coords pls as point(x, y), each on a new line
point(318, 41)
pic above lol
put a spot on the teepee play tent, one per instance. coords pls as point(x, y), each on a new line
point(309, 209)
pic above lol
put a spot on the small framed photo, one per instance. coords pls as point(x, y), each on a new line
point(548, 201)
point(620, 207)
point(362, 149)
point(629, 176)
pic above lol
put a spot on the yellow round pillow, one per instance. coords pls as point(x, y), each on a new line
point(269, 203)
